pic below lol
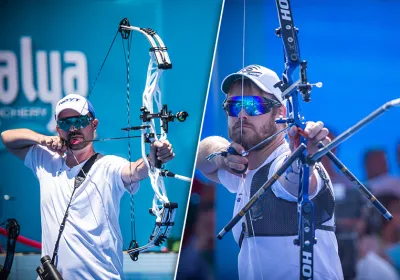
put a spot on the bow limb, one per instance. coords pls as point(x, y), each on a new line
point(157, 45)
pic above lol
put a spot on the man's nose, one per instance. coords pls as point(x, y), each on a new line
point(72, 128)
point(243, 114)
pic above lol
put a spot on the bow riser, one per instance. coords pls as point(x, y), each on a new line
point(152, 94)
point(288, 33)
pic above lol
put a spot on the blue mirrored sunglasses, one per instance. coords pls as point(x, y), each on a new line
point(78, 122)
point(253, 105)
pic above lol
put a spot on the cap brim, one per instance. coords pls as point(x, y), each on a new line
point(82, 112)
point(227, 82)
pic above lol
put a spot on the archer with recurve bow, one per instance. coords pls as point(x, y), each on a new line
point(256, 109)
point(279, 225)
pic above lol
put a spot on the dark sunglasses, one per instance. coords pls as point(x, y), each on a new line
point(253, 105)
point(78, 122)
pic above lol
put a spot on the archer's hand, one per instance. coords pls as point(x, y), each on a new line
point(54, 144)
point(235, 163)
point(163, 150)
point(314, 132)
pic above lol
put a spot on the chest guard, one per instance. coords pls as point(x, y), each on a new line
point(274, 216)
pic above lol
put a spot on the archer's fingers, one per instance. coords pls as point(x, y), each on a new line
point(322, 134)
point(57, 144)
point(164, 149)
point(235, 162)
point(235, 159)
point(164, 153)
point(167, 158)
point(54, 143)
point(326, 141)
point(293, 132)
point(313, 128)
point(232, 166)
point(162, 143)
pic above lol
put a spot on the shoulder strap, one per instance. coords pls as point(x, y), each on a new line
point(85, 169)
point(78, 181)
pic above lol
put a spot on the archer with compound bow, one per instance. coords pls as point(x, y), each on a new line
point(20, 142)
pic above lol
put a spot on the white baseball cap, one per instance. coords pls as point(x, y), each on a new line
point(74, 102)
point(266, 79)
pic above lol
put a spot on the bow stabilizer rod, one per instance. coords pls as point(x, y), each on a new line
point(352, 130)
point(360, 186)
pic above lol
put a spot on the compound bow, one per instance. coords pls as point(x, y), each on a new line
point(162, 208)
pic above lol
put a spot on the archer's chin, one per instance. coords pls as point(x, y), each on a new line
point(78, 146)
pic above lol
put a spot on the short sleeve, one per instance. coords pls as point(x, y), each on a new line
point(37, 157)
point(228, 180)
point(115, 166)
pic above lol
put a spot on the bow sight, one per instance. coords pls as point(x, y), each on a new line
point(164, 115)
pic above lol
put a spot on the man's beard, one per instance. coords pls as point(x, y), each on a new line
point(249, 139)
point(76, 147)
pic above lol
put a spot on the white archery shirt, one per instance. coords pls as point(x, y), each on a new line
point(91, 244)
point(276, 257)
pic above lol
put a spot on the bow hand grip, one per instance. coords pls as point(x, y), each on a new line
point(157, 162)
point(232, 151)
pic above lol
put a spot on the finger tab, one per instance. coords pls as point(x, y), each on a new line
point(232, 151)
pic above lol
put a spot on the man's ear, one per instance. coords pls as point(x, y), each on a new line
point(95, 123)
point(282, 111)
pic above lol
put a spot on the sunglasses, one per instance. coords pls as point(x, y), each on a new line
point(253, 105)
point(78, 122)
